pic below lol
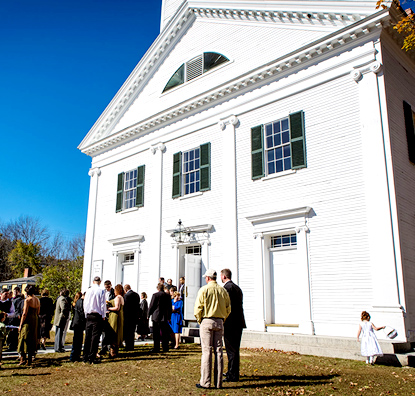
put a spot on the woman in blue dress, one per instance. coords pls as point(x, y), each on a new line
point(177, 317)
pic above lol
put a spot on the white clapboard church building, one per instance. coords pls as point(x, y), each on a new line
point(281, 134)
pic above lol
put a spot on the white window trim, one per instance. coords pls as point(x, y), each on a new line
point(279, 174)
point(133, 209)
point(192, 195)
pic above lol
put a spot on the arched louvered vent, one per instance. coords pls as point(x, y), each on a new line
point(195, 68)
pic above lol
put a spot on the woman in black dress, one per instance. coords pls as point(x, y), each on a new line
point(47, 309)
point(142, 327)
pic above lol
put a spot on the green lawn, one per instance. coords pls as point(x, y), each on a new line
point(177, 372)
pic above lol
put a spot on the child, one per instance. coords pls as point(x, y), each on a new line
point(2, 332)
point(369, 345)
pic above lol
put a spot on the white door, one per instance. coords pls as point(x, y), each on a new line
point(128, 275)
point(193, 275)
point(284, 287)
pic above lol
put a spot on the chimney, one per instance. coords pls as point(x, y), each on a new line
point(27, 272)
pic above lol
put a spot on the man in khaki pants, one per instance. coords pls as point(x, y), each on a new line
point(212, 307)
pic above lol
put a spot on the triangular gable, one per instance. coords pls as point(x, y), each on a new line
point(116, 125)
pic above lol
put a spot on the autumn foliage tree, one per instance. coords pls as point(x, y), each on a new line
point(405, 25)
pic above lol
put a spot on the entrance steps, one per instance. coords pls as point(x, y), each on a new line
point(394, 353)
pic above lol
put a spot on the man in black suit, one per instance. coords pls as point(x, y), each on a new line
point(132, 313)
point(233, 325)
point(160, 310)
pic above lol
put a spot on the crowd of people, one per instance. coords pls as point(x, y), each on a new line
point(111, 316)
point(114, 317)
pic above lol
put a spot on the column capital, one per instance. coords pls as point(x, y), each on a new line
point(374, 67)
point(231, 120)
point(94, 171)
point(158, 146)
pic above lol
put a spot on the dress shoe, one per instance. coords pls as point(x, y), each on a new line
point(201, 387)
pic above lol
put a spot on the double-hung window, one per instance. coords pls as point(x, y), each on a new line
point(191, 171)
point(278, 146)
point(130, 189)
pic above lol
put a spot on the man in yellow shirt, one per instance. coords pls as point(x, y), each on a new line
point(212, 307)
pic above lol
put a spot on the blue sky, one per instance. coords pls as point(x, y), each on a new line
point(61, 64)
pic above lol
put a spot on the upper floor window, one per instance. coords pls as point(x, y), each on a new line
point(278, 146)
point(409, 115)
point(191, 171)
point(130, 189)
point(195, 68)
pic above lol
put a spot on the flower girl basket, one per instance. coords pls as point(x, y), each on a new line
point(390, 332)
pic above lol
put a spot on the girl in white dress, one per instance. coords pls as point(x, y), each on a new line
point(369, 343)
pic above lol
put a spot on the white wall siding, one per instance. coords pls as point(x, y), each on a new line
point(332, 184)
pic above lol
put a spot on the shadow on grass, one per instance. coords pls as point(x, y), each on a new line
point(260, 381)
point(28, 374)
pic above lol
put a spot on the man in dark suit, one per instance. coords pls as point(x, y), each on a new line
point(233, 325)
point(160, 310)
point(132, 314)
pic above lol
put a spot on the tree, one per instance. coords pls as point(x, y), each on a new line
point(24, 255)
point(6, 246)
point(406, 24)
point(64, 274)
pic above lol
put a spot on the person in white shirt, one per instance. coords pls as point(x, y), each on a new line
point(95, 309)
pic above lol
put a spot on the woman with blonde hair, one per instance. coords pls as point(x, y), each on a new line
point(176, 322)
point(116, 319)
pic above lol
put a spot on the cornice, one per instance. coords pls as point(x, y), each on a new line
point(302, 211)
point(310, 52)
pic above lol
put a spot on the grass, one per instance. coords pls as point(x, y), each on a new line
point(263, 372)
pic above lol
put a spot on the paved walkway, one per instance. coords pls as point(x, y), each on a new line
point(68, 348)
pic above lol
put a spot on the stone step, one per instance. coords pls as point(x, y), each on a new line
point(338, 347)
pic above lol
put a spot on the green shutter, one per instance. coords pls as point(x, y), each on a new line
point(257, 152)
point(139, 200)
point(120, 191)
point(410, 130)
point(205, 167)
point(297, 138)
point(177, 175)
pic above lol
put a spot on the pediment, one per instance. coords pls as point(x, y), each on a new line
point(327, 24)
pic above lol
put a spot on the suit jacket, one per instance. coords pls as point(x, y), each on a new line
point(61, 312)
point(79, 319)
point(236, 318)
point(160, 307)
point(132, 309)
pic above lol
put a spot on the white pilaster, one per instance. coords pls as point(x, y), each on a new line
point(229, 216)
point(386, 306)
point(263, 302)
point(94, 174)
point(156, 209)
point(306, 325)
